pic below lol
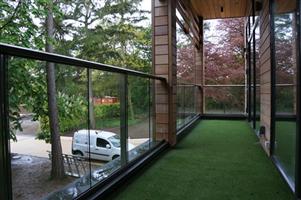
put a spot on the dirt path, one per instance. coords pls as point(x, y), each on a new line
point(30, 178)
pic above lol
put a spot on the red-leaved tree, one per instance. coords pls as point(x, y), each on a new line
point(224, 64)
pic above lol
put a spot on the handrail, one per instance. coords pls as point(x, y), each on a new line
point(67, 60)
point(229, 85)
point(257, 85)
point(189, 85)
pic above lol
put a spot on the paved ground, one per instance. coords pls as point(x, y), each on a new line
point(27, 143)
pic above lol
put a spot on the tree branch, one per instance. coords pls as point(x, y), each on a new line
point(12, 17)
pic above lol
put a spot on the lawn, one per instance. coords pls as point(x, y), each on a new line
point(114, 122)
point(217, 160)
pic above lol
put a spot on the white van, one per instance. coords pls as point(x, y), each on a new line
point(103, 145)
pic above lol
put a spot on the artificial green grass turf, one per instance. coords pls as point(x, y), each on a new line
point(217, 160)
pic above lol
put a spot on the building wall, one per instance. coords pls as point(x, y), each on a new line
point(164, 64)
point(265, 74)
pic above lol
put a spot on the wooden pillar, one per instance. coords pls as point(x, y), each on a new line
point(164, 64)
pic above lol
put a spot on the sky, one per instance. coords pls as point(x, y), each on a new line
point(146, 5)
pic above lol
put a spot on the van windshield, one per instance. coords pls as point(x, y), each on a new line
point(115, 140)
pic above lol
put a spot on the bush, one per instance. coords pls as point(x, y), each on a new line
point(107, 111)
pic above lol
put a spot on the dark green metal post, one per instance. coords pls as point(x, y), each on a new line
point(5, 173)
point(124, 118)
point(298, 136)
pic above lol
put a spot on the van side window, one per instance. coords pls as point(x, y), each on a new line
point(101, 143)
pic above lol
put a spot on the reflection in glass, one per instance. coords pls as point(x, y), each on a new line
point(139, 116)
point(186, 104)
point(186, 90)
point(285, 60)
point(31, 150)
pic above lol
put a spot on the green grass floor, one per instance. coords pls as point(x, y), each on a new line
point(216, 160)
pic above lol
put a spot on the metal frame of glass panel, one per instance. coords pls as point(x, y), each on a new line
point(251, 59)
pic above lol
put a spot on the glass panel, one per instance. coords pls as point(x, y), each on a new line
point(225, 100)
point(139, 115)
point(252, 77)
point(186, 104)
point(285, 55)
point(32, 154)
point(180, 106)
point(189, 103)
point(186, 92)
point(185, 58)
point(104, 115)
point(100, 142)
point(88, 126)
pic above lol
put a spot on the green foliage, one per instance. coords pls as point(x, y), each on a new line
point(72, 114)
point(140, 95)
point(17, 27)
point(107, 111)
point(108, 34)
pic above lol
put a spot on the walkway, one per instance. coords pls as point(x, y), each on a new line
point(217, 160)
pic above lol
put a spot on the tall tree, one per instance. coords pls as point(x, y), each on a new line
point(224, 52)
point(224, 62)
point(57, 170)
point(126, 14)
point(17, 28)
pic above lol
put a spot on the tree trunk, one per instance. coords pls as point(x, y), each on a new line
point(131, 107)
point(123, 52)
point(90, 86)
point(57, 168)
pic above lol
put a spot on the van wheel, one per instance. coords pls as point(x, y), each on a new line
point(78, 153)
point(114, 157)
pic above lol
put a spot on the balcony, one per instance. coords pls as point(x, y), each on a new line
point(189, 133)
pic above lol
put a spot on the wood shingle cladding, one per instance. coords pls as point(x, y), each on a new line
point(265, 72)
point(164, 64)
point(164, 21)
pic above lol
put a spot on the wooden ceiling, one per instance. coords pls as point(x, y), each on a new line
point(217, 9)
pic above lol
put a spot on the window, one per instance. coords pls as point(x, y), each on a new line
point(101, 143)
point(115, 140)
point(285, 66)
